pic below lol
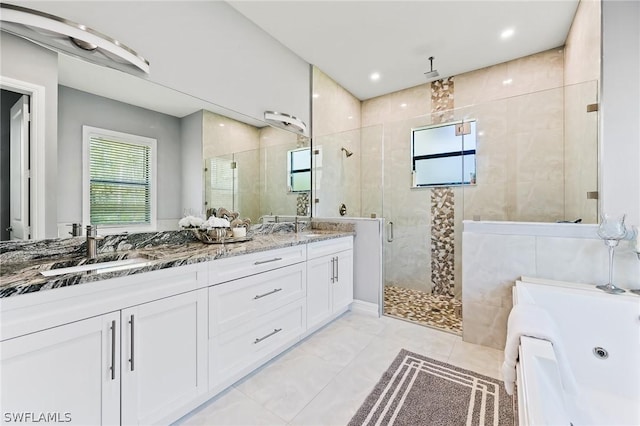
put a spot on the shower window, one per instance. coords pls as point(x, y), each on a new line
point(299, 170)
point(444, 154)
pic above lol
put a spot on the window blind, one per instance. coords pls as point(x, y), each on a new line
point(221, 183)
point(120, 182)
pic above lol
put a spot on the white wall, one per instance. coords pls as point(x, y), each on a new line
point(620, 125)
point(25, 61)
point(77, 108)
point(203, 48)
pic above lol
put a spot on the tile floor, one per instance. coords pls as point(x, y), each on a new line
point(324, 379)
point(442, 312)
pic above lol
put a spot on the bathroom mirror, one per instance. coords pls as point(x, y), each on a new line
point(93, 95)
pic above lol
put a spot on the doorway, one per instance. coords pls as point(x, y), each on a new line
point(15, 182)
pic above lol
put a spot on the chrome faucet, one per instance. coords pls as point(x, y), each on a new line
point(92, 238)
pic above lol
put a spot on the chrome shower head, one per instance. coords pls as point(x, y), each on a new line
point(432, 74)
point(346, 152)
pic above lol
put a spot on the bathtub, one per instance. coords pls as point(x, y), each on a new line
point(590, 322)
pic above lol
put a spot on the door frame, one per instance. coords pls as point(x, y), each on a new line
point(37, 158)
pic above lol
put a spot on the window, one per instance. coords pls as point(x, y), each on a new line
point(119, 190)
point(444, 155)
point(222, 182)
point(299, 170)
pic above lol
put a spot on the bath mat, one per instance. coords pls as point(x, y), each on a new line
point(417, 390)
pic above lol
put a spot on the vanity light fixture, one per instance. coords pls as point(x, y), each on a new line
point(62, 35)
point(285, 121)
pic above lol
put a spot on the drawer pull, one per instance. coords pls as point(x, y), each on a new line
point(260, 262)
point(260, 296)
point(260, 339)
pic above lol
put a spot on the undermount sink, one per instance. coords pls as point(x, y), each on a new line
point(102, 267)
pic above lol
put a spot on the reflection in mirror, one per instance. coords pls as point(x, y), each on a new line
point(97, 96)
point(247, 169)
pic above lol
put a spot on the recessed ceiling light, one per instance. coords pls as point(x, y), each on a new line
point(403, 105)
point(316, 95)
point(507, 33)
point(507, 81)
point(375, 76)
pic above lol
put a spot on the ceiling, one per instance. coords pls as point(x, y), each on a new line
point(350, 40)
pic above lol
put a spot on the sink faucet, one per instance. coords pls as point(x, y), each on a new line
point(92, 237)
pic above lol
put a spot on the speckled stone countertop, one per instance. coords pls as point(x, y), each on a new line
point(22, 262)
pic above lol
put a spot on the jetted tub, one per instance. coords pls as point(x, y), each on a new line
point(600, 335)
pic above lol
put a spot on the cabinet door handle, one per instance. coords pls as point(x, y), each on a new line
point(390, 233)
point(260, 339)
point(113, 350)
point(337, 271)
point(333, 270)
point(131, 361)
point(259, 296)
point(260, 262)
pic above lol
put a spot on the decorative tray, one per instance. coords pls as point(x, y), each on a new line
point(227, 240)
point(212, 237)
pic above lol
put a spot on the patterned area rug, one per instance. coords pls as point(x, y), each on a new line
point(443, 312)
point(417, 390)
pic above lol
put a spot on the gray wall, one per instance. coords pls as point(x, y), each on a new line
point(78, 108)
point(25, 61)
point(192, 163)
point(203, 48)
point(620, 119)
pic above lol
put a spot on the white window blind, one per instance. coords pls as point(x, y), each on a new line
point(119, 174)
point(222, 183)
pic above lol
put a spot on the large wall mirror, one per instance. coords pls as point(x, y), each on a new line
point(196, 140)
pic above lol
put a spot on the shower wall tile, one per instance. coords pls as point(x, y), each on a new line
point(335, 110)
point(491, 265)
point(538, 72)
point(442, 100)
point(244, 136)
point(582, 48)
point(442, 241)
point(396, 106)
point(482, 86)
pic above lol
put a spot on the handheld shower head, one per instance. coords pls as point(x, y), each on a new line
point(346, 152)
point(432, 74)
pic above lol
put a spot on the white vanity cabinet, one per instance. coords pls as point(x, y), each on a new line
point(163, 356)
point(329, 280)
point(71, 372)
point(253, 319)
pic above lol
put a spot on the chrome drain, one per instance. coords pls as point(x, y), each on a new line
point(600, 353)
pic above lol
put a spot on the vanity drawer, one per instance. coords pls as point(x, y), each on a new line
point(238, 352)
point(231, 268)
point(323, 248)
point(234, 303)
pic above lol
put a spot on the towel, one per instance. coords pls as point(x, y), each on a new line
point(533, 321)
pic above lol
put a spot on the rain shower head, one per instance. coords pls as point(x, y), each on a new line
point(346, 152)
point(432, 74)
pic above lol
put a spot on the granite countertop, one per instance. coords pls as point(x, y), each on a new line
point(22, 262)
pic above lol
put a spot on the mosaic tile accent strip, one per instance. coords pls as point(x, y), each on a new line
point(302, 204)
point(423, 308)
point(442, 244)
point(442, 100)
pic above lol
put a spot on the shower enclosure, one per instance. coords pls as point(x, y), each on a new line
point(535, 160)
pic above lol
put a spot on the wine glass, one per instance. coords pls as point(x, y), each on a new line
point(611, 230)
